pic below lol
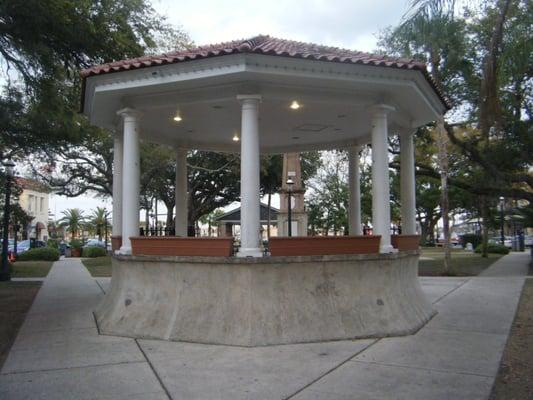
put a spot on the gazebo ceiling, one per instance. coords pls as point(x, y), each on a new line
point(335, 88)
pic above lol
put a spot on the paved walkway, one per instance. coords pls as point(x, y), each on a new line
point(58, 353)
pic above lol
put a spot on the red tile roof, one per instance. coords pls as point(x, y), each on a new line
point(32, 184)
point(269, 46)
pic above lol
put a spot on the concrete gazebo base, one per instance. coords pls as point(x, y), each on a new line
point(264, 301)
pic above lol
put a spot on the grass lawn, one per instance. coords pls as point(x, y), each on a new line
point(99, 266)
point(515, 380)
point(31, 269)
point(463, 263)
point(16, 299)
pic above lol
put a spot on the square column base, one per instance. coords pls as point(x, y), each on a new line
point(387, 249)
point(252, 252)
point(124, 251)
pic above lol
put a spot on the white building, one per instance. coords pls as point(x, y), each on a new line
point(34, 200)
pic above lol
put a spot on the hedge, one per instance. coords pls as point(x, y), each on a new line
point(39, 254)
point(494, 248)
point(94, 252)
point(52, 243)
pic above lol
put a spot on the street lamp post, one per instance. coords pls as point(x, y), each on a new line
point(4, 270)
point(290, 182)
point(105, 228)
point(502, 238)
point(16, 229)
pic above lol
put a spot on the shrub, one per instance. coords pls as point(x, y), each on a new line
point(52, 243)
point(471, 238)
point(39, 254)
point(94, 252)
point(76, 244)
point(494, 248)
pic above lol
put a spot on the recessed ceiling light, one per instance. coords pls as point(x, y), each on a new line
point(296, 137)
point(295, 105)
point(235, 137)
point(177, 117)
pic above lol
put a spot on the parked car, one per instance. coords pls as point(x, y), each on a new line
point(508, 241)
point(95, 243)
point(25, 245)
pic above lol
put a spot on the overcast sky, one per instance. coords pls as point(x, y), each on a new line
point(349, 24)
point(344, 23)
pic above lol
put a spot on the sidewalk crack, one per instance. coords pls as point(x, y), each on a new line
point(451, 291)
point(153, 370)
point(330, 370)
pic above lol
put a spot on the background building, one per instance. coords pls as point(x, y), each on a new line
point(34, 200)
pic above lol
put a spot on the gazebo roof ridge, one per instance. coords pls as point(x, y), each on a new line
point(268, 45)
point(262, 44)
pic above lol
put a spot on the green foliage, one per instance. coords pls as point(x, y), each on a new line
point(39, 254)
point(46, 43)
point(76, 244)
point(52, 243)
point(98, 221)
point(92, 252)
point(328, 198)
point(479, 56)
point(493, 248)
point(74, 220)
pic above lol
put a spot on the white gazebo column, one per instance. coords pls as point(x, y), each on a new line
point(407, 183)
point(117, 183)
point(250, 218)
point(131, 172)
point(354, 199)
point(181, 192)
point(380, 177)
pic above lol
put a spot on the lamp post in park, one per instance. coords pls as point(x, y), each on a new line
point(502, 238)
point(4, 270)
point(290, 182)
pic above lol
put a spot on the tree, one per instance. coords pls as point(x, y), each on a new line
point(18, 215)
point(328, 198)
point(271, 180)
point(74, 220)
point(431, 20)
point(38, 108)
point(99, 220)
point(214, 182)
point(483, 65)
point(210, 220)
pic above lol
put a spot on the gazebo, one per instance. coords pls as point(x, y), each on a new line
point(256, 96)
point(228, 220)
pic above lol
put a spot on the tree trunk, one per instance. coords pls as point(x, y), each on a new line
point(489, 107)
point(443, 164)
point(170, 215)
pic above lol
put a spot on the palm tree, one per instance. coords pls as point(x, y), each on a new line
point(98, 220)
point(428, 21)
point(73, 219)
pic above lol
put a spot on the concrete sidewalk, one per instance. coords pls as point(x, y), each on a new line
point(58, 353)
